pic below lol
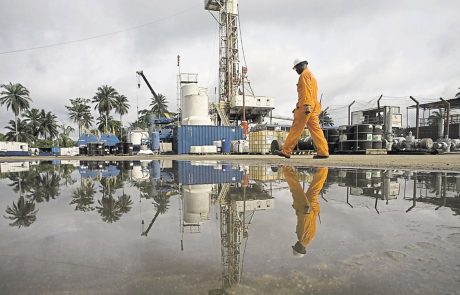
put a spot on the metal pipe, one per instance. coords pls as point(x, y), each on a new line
point(448, 119)
point(378, 108)
point(349, 112)
point(414, 194)
point(407, 117)
point(417, 115)
point(244, 71)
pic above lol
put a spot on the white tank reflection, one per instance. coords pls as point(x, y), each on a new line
point(196, 203)
point(141, 171)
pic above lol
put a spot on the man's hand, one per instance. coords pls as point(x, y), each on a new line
point(305, 107)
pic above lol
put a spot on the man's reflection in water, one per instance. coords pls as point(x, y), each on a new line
point(306, 206)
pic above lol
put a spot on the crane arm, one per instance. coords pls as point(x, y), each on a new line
point(141, 73)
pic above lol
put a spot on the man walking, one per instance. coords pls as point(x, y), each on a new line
point(307, 113)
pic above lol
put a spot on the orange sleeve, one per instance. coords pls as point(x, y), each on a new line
point(305, 90)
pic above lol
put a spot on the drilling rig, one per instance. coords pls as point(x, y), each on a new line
point(233, 104)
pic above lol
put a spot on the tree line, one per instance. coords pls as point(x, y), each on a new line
point(41, 128)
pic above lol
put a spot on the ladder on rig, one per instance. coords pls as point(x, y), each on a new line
point(223, 193)
point(220, 108)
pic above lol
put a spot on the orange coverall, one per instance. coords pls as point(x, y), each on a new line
point(307, 90)
point(306, 205)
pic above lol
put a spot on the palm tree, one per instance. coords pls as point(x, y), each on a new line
point(325, 119)
point(49, 126)
point(143, 120)
point(23, 213)
point(103, 120)
point(64, 136)
point(16, 97)
point(121, 107)
point(159, 106)
point(433, 119)
point(19, 130)
point(32, 118)
point(105, 101)
point(80, 112)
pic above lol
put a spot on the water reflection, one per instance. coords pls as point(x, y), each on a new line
point(228, 195)
point(306, 206)
point(102, 187)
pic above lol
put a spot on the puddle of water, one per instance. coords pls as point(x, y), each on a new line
point(163, 227)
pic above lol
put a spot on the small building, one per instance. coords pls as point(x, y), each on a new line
point(382, 116)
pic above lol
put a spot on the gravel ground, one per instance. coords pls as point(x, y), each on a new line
point(445, 162)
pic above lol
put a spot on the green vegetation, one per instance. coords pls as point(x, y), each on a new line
point(158, 108)
point(40, 128)
point(15, 97)
point(105, 102)
point(325, 119)
point(80, 112)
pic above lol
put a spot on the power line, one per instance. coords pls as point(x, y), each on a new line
point(97, 36)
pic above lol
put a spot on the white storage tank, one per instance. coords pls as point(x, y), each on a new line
point(195, 105)
point(137, 137)
point(196, 202)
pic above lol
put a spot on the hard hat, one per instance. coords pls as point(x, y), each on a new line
point(298, 61)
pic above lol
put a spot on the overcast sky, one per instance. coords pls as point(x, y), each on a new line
point(356, 49)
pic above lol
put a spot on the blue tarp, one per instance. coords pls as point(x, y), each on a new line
point(109, 139)
point(85, 139)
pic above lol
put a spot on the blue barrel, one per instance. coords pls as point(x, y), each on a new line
point(226, 146)
point(155, 169)
point(55, 151)
point(155, 141)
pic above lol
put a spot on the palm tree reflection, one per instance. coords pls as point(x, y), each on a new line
point(23, 213)
point(83, 197)
point(110, 209)
point(161, 204)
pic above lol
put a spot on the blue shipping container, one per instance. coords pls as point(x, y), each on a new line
point(206, 174)
point(198, 135)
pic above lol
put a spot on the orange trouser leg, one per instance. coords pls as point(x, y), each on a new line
point(300, 202)
point(298, 125)
point(317, 135)
point(317, 184)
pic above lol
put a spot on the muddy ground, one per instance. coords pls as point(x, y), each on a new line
point(447, 162)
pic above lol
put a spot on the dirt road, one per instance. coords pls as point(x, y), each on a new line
point(447, 162)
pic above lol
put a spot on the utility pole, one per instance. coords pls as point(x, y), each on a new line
point(349, 111)
point(447, 119)
point(378, 108)
point(417, 115)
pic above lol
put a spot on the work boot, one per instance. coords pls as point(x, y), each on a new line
point(320, 157)
point(282, 154)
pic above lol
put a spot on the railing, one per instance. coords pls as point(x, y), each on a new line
point(454, 119)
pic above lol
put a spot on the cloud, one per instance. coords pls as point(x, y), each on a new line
point(357, 50)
